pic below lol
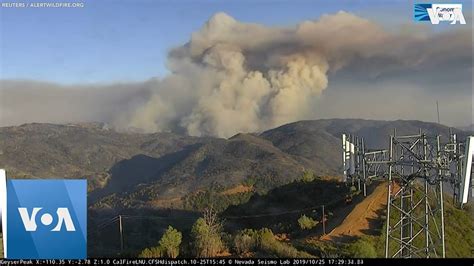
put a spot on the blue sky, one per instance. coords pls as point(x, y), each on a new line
point(118, 40)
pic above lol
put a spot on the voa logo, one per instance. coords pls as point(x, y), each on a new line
point(436, 13)
point(63, 216)
point(44, 218)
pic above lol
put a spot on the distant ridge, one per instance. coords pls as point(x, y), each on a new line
point(126, 170)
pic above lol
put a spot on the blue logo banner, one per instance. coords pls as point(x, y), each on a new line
point(421, 12)
point(46, 219)
point(448, 13)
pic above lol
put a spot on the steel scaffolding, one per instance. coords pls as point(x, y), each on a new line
point(416, 168)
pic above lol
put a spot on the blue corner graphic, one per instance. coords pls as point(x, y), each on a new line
point(46, 219)
point(420, 12)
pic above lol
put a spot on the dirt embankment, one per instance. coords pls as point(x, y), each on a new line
point(364, 218)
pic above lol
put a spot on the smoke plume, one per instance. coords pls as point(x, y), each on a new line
point(240, 77)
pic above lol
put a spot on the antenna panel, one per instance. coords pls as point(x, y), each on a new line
point(466, 171)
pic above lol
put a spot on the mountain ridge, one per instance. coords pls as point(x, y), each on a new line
point(147, 170)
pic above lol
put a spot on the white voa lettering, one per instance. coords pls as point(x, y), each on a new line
point(64, 217)
point(29, 220)
point(446, 12)
point(458, 16)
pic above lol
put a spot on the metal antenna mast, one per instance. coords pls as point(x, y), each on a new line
point(437, 110)
point(416, 168)
point(415, 221)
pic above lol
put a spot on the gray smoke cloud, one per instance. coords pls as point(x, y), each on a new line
point(23, 101)
point(240, 77)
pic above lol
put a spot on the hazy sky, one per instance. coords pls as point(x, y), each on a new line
point(128, 40)
point(257, 65)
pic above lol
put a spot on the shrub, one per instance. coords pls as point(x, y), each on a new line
point(269, 244)
point(362, 248)
point(245, 241)
point(306, 222)
point(249, 181)
point(168, 246)
point(267, 241)
point(308, 177)
point(169, 243)
point(321, 248)
point(154, 252)
point(206, 233)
